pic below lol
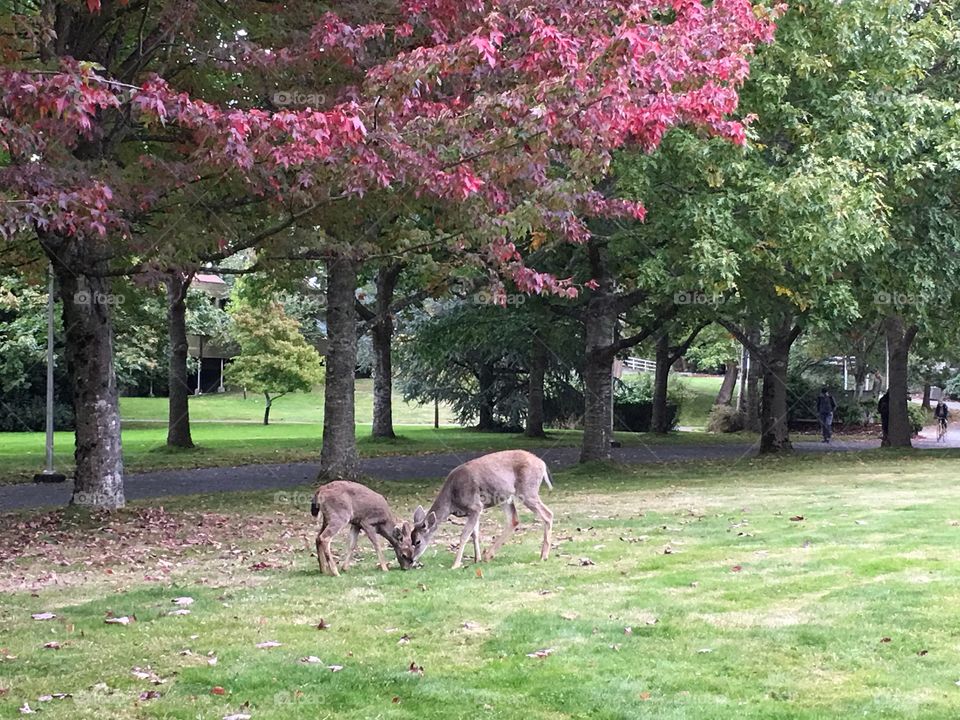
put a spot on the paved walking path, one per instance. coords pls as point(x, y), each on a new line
point(408, 467)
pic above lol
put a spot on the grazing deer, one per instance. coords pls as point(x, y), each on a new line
point(494, 479)
point(342, 503)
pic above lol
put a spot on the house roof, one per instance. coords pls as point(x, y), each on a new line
point(212, 279)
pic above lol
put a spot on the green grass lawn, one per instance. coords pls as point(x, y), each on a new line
point(292, 408)
point(807, 588)
point(703, 391)
point(227, 431)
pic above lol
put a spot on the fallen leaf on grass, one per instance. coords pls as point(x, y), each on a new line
point(53, 645)
point(123, 620)
point(217, 690)
point(43, 616)
point(703, 651)
point(736, 568)
point(237, 716)
point(415, 669)
point(668, 550)
point(884, 639)
point(396, 700)
point(334, 668)
point(269, 644)
point(179, 611)
point(797, 518)
point(211, 661)
point(479, 573)
point(404, 639)
point(569, 615)
point(323, 624)
point(546, 652)
point(644, 695)
point(182, 601)
point(147, 674)
point(26, 710)
point(54, 696)
point(921, 653)
point(149, 695)
point(628, 631)
point(583, 562)
point(310, 659)
point(260, 566)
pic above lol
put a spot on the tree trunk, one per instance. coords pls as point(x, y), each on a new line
point(658, 421)
point(266, 408)
point(899, 339)
point(88, 330)
point(538, 369)
point(382, 337)
point(485, 380)
point(774, 433)
point(729, 384)
point(926, 397)
point(599, 326)
point(338, 459)
point(178, 404)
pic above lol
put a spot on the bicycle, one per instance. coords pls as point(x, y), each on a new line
point(941, 429)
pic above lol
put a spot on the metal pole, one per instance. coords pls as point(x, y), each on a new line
point(48, 474)
point(886, 379)
point(844, 373)
point(49, 468)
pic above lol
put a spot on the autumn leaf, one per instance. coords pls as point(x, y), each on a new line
point(123, 620)
point(796, 518)
point(268, 644)
point(217, 690)
point(546, 652)
point(415, 669)
point(323, 624)
point(43, 616)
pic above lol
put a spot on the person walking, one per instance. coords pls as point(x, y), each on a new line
point(826, 406)
point(883, 407)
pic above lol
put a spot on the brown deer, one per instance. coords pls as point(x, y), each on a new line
point(348, 504)
point(494, 479)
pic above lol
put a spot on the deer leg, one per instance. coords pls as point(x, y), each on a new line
point(546, 516)
point(321, 556)
point(510, 510)
point(375, 541)
point(469, 527)
point(323, 546)
point(476, 543)
point(354, 533)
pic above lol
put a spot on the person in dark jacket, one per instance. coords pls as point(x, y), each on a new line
point(826, 406)
point(883, 407)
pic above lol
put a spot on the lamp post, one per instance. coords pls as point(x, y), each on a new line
point(49, 474)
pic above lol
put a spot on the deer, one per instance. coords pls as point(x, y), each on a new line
point(342, 503)
point(495, 479)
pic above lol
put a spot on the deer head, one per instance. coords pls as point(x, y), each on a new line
point(424, 526)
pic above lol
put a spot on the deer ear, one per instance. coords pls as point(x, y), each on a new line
point(431, 521)
point(418, 515)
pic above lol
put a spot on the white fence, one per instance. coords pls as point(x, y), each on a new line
point(635, 364)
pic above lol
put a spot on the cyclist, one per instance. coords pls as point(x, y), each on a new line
point(942, 414)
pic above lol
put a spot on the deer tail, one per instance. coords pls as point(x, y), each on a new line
point(315, 505)
point(546, 477)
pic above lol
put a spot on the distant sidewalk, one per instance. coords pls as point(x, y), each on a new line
point(390, 468)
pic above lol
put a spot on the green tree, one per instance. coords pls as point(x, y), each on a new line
point(274, 358)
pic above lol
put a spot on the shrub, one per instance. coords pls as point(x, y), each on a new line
point(725, 419)
point(918, 417)
point(22, 413)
